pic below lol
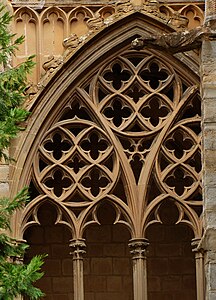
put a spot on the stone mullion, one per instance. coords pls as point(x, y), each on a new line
point(138, 251)
point(199, 260)
point(77, 247)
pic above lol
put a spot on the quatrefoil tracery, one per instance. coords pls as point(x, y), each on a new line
point(58, 145)
point(58, 182)
point(179, 143)
point(155, 111)
point(82, 161)
point(149, 88)
point(95, 181)
point(179, 180)
point(117, 112)
point(134, 99)
point(154, 75)
point(117, 76)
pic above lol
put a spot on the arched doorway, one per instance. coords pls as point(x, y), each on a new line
point(121, 127)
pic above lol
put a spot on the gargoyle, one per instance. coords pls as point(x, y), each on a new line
point(175, 42)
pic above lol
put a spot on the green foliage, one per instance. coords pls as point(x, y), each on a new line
point(12, 85)
point(15, 278)
point(7, 207)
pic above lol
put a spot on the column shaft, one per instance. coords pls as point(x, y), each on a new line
point(138, 251)
point(199, 260)
point(78, 251)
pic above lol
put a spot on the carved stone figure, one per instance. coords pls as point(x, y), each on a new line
point(176, 41)
point(52, 63)
point(151, 6)
point(31, 90)
point(123, 6)
point(95, 23)
point(50, 66)
point(70, 43)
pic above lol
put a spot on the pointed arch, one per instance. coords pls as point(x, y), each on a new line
point(53, 23)
point(80, 80)
point(78, 18)
point(26, 22)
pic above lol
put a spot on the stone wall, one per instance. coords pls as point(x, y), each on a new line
point(208, 73)
point(170, 264)
point(170, 260)
point(108, 264)
point(53, 240)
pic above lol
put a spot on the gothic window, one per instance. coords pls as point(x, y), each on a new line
point(129, 135)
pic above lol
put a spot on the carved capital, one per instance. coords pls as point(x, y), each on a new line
point(19, 258)
point(78, 248)
point(138, 248)
point(196, 247)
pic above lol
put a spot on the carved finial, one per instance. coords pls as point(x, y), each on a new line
point(123, 6)
point(151, 6)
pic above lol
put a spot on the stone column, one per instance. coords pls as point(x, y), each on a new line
point(208, 92)
point(199, 260)
point(78, 250)
point(138, 251)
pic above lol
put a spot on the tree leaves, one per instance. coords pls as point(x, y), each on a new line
point(13, 83)
point(15, 278)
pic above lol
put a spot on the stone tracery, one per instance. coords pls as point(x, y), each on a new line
point(150, 134)
point(130, 135)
